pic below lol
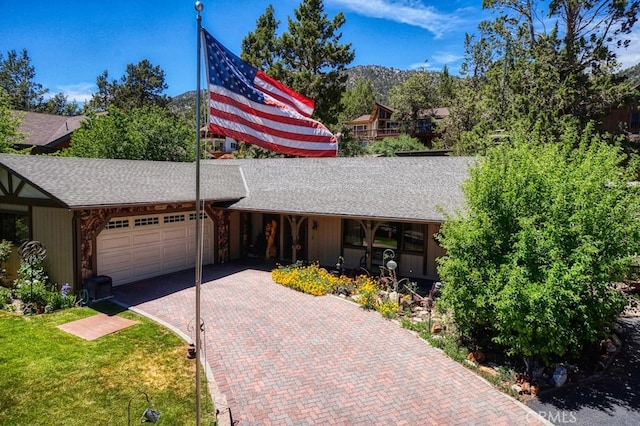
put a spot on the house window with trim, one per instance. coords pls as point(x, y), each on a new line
point(634, 122)
point(353, 234)
point(14, 226)
point(407, 237)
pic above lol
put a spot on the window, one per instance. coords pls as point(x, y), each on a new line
point(192, 216)
point(145, 221)
point(353, 234)
point(634, 124)
point(412, 237)
point(388, 235)
point(15, 227)
point(174, 218)
point(117, 224)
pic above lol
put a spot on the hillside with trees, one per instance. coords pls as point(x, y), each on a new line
point(383, 79)
point(632, 74)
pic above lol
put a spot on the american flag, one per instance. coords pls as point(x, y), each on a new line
point(249, 106)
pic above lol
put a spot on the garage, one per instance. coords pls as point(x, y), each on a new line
point(138, 247)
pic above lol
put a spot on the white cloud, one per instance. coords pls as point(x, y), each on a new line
point(79, 92)
point(630, 56)
point(422, 66)
point(446, 57)
point(408, 12)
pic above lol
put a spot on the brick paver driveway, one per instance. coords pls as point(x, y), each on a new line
point(283, 357)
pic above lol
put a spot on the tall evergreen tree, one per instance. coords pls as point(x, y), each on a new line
point(313, 58)
point(9, 123)
point(16, 78)
point(520, 66)
point(60, 105)
point(260, 48)
point(141, 85)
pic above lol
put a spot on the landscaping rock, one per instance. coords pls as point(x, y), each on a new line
point(488, 370)
point(616, 340)
point(436, 328)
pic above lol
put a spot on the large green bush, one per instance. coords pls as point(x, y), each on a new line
point(5, 253)
point(548, 228)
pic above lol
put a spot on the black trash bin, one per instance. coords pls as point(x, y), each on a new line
point(99, 287)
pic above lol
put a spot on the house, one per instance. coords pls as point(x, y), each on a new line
point(625, 118)
point(217, 145)
point(47, 133)
point(378, 125)
point(131, 220)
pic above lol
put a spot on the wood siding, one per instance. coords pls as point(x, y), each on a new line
point(325, 241)
point(53, 227)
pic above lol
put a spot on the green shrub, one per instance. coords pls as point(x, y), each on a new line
point(547, 229)
point(57, 300)
point(5, 252)
point(33, 296)
point(6, 296)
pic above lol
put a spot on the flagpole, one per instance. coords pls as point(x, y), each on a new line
point(199, 8)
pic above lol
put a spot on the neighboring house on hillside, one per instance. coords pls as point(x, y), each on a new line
point(47, 133)
point(217, 145)
point(626, 118)
point(379, 125)
point(132, 220)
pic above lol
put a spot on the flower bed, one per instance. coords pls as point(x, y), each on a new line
point(367, 291)
point(309, 279)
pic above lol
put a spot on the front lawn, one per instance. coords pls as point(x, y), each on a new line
point(52, 377)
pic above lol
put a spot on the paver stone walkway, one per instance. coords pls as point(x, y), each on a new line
point(281, 357)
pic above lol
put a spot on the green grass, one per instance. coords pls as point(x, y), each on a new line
point(52, 377)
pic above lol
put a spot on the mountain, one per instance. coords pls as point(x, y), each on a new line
point(633, 74)
point(382, 78)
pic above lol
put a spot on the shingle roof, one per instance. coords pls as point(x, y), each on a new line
point(84, 182)
point(385, 187)
point(390, 188)
point(47, 130)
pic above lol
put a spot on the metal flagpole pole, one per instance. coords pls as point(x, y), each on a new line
point(199, 8)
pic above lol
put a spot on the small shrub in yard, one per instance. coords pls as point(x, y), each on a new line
point(6, 296)
point(56, 300)
point(309, 279)
point(33, 295)
point(5, 252)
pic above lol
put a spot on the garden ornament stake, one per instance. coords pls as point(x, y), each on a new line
point(32, 253)
point(150, 414)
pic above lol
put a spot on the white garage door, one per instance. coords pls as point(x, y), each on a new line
point(138, 247)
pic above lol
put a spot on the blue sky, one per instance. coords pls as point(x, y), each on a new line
point(71, 42)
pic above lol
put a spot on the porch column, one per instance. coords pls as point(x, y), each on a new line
point(295, 223)
point(369, 232)
point(221, 233)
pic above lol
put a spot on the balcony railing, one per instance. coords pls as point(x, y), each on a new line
point(377, 134)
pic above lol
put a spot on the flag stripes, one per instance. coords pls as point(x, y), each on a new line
point(249, 106)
